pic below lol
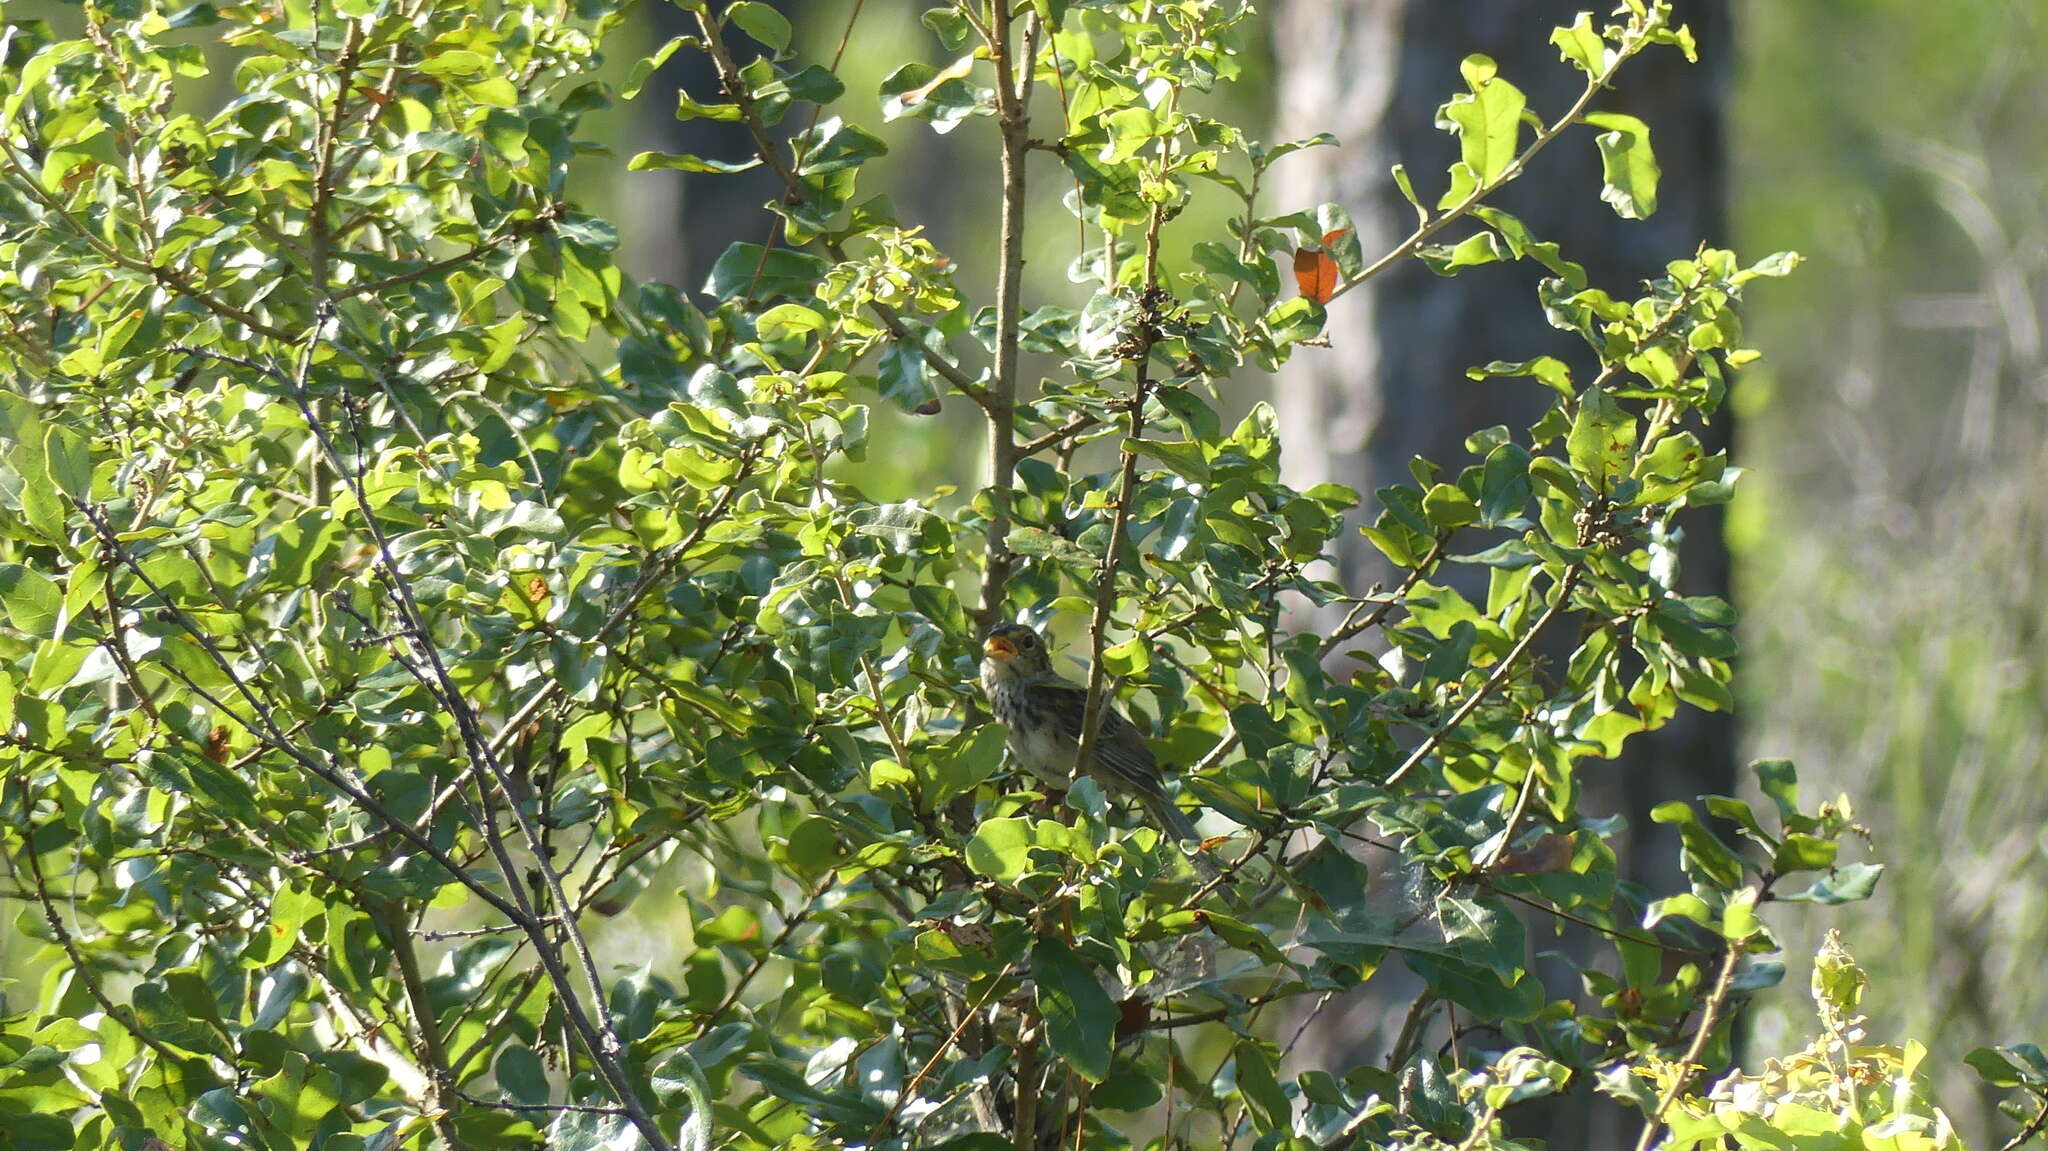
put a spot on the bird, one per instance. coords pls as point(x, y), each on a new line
point(1044, 713)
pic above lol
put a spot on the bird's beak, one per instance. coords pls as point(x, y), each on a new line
point(999, 648)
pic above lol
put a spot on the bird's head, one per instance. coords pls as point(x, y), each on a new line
point(1012, 650)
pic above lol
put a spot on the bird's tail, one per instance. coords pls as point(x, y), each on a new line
point(1179, 827)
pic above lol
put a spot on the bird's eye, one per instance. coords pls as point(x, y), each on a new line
point(1027, 640)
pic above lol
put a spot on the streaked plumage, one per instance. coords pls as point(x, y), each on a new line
point(1045, 714)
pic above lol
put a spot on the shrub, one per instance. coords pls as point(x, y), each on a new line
point(394, 588)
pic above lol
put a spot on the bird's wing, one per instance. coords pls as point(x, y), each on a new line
point(1121, 749)
point(1123, 755)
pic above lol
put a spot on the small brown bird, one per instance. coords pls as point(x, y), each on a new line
point(1045, 715)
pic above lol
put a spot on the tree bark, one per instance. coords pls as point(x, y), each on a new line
point(1393, 385)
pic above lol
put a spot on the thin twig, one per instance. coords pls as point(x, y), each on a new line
point(441, 1080)
point(1105, 581)
point(1473, 199)
point(2032, 1129)
point(1709, 1015)
point(1500, 674)
point(735, 86)
point(910, 1089)
point(79, 965)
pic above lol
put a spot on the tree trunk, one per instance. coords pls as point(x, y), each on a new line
point(1393, 385)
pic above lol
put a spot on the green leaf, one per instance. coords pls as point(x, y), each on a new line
point(521, 1076)
point(835, 146)
point(1242, 935)
point(1804, 853)
point(1503, 484)
point(683, 162)
point(2020, 1065)
point(68, 462)
point(742, 272)
point(34, 604)
point(1080, 1020)
point(1850, 883)
point(1001, 848)
point(646, 66)
point(1627, 165)
point(1551, 371)
point(904, 378)
point(961, 765)
point(762, 22)
point(1779, 780)
point(1038, 543)
point(1581, 46)
point(689, 109)
point(291, 909)
point(1487, 120)
point(1704, 857)
point(39, 1133)
point(1738, 919)
point(1478, 989)
point(1602, 443)
point(178, 770)
point(1484, 933)
point(1259, 1087)
point(942, 99)
point(1449, 507)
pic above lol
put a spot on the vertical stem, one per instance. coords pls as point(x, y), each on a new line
point(1149, 301)
point(319, 226)
point(1013, 93)
point(441, 1079)
point(1024, 1133)
point(1709, 1016)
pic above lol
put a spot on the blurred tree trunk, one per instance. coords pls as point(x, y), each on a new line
point(1393, 386)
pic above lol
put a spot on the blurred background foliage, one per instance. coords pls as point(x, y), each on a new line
point(1891, 544)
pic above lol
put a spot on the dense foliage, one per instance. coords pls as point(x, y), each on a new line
point(393, 588)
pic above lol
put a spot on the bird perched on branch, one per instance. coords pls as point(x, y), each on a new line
point(1045, 714)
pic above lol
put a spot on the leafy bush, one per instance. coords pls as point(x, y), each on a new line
point(394, 588)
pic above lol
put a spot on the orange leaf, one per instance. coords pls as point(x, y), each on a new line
point(1316, 273)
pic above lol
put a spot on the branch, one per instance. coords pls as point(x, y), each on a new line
point(78, 962)
point(789, 927)
point(1549, 132)
point(2029, 1131)
point(517, 230)
point(910, 1088)
point(26, 181)
point(552, 1108)
point(262, 724)
point(1127, 482)
point(735, 87)
point(656, 574)
point(1073, 427)
point(593, 1028)
point(1499, 676)
point(1708, 1017)
point(327, 132)
point(1353, 625)
point(1013, 95)
point(440, 1080)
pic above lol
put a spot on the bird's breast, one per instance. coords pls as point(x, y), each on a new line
point(1035, 738)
